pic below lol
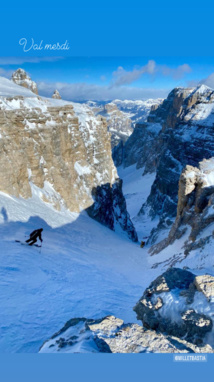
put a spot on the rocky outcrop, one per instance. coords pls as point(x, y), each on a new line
point(205, 284)
point(61, 152)
point(176, 312)
point(122, 116)
point(170, 306)
point(137, 149)
point(111, 335)
point(56, 95)
point(195, 209)
point(110, 198)
point(20, 77)
point(119, 123)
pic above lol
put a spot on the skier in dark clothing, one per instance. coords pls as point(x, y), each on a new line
point(34, 235)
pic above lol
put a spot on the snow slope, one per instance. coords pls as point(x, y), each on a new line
point(136, 189)
point(13, 96)
point(82, 269)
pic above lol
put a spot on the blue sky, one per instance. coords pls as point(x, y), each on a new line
point(104, 78)
point(112, 46)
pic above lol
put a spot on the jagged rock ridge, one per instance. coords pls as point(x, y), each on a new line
point(20, 77)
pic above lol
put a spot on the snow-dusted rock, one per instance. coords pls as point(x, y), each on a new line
point(177, 133)
point(56, 95)
point(111, 335)
point(195, 210)
point(20, 77)
point(186, 138)
point(184, 311)
point(110, 198)
point(60, 149)
point(137, 149)
point(205, 284)
point(122, 116)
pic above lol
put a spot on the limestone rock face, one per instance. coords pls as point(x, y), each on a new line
point(122, 116)
point(179, 314)
point(195, 209)
point(111, 335)
point(177, 133)
point(56, 95)
point(62, 152)
point(21, 78)
point(110, 198)
point(137, 149)
point(185, 116)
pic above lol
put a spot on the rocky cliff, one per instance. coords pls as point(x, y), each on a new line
point(195, 211)
point(122, 116)
point(20, 77)
point(59, 150)
point(187, 137)
point(177, 133)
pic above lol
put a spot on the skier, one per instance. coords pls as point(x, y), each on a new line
point(142, 244)
point(34, 235)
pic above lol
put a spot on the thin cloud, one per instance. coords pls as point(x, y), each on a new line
point(23, 60)
point(6, 73)
point(83, 91)
point(124, 77)
point(175, 73)
point(209, 81)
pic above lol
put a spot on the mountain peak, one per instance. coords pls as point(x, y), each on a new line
point(202, 89)
point(20, 77)
point(56, 95)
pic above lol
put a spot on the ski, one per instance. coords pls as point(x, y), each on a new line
point(24, 243)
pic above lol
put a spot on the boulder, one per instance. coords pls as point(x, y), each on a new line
point(168, 306)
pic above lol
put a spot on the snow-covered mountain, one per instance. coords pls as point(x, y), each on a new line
point(178, 133)
point(56, 173)
point(122, 116)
